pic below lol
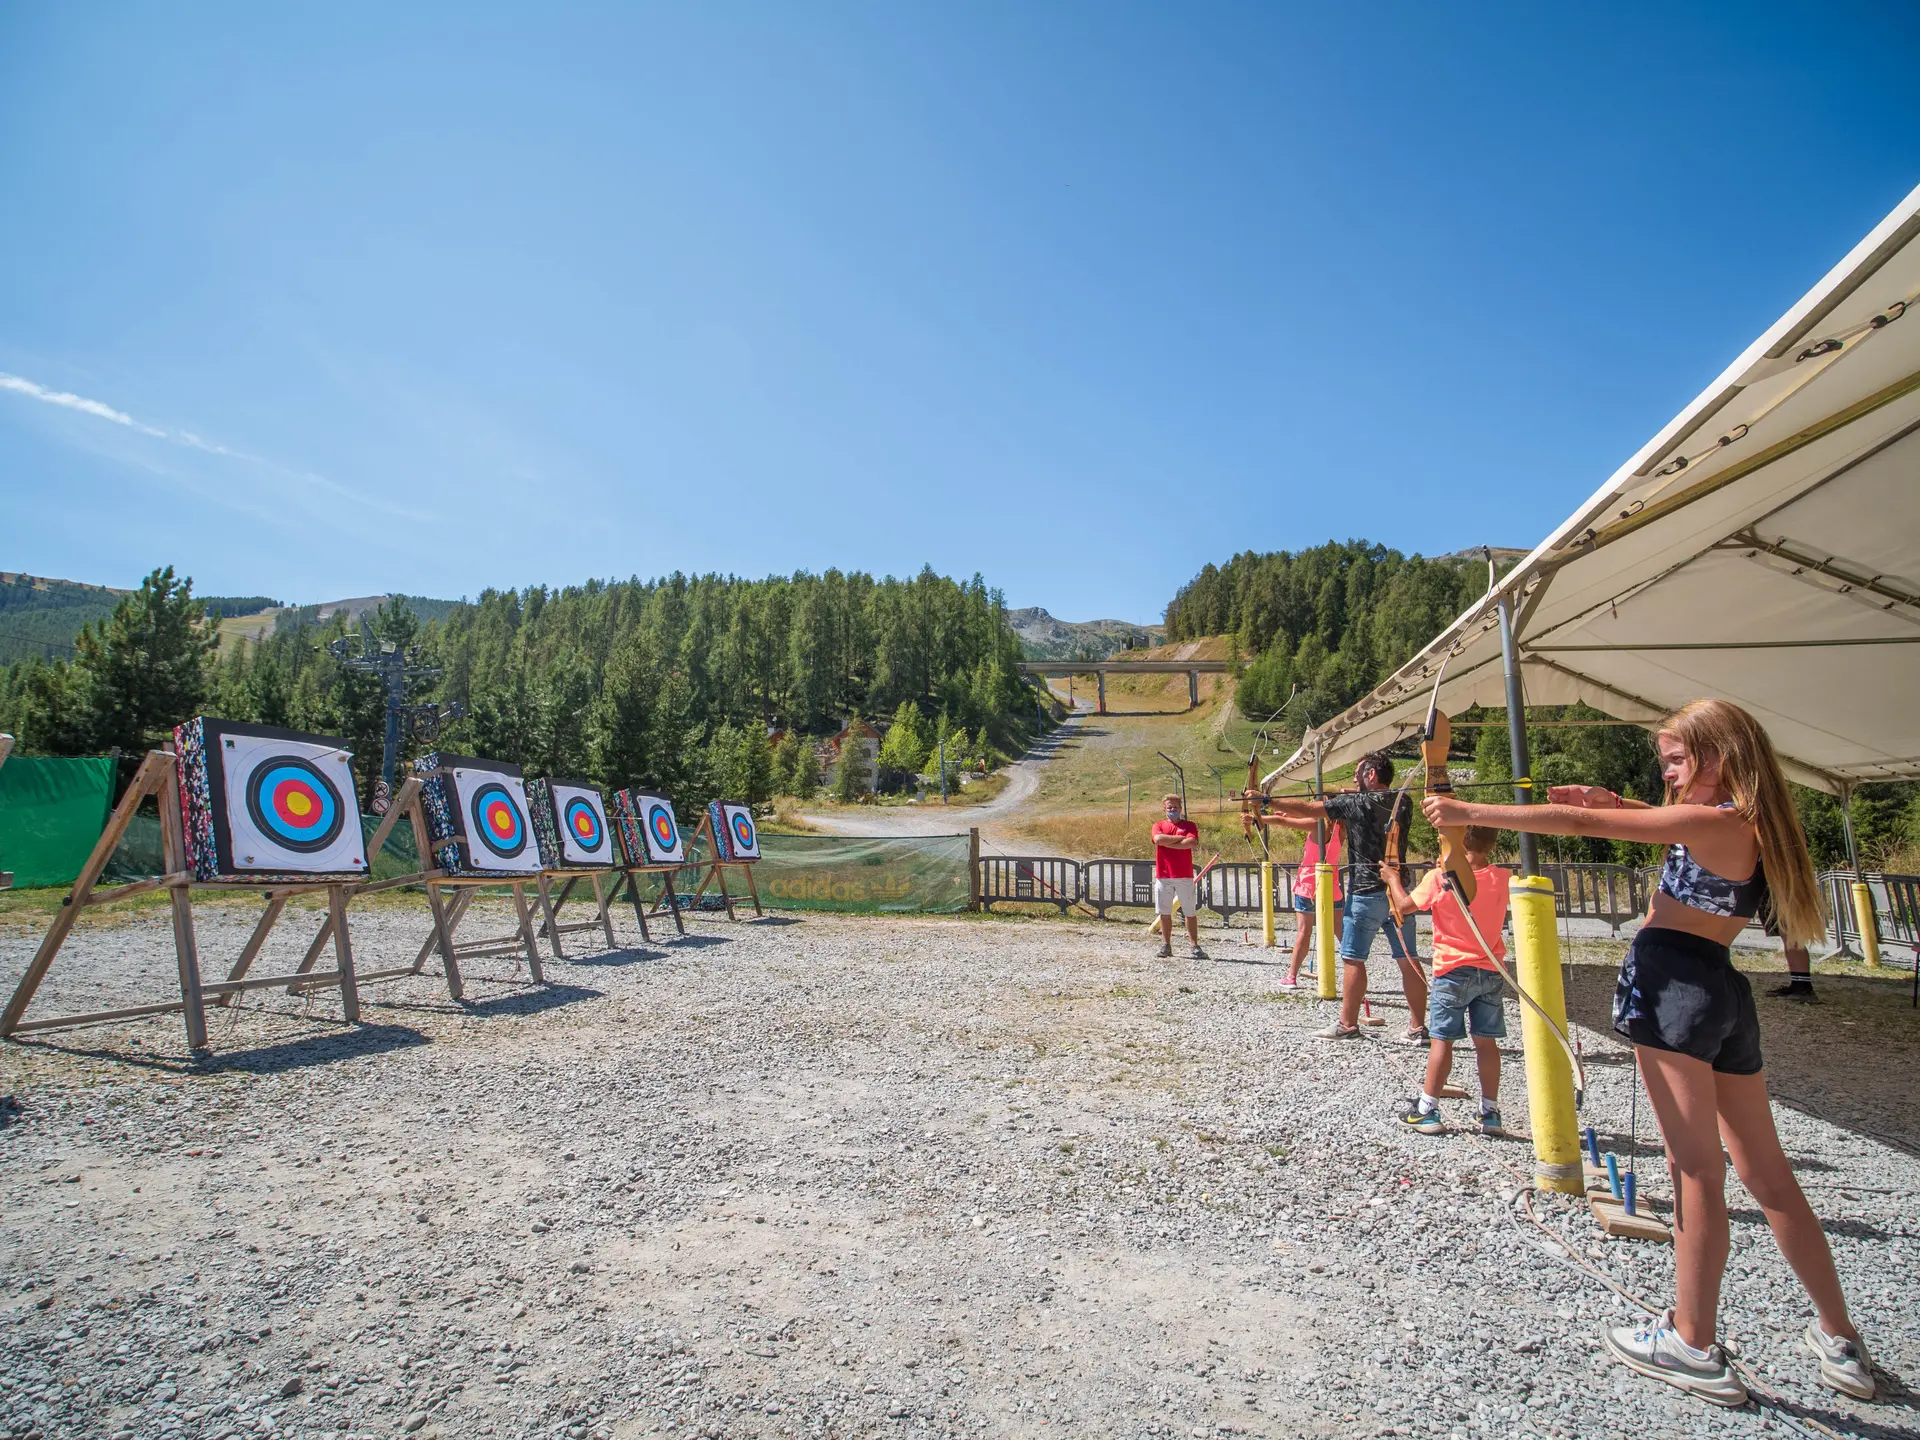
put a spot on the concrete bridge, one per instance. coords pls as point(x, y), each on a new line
point(1100, 669)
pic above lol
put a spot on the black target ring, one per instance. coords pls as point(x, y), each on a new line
point(287, 780)
point(497, 820)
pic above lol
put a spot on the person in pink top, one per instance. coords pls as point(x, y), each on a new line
point(1303, 883)
point(1466, 998)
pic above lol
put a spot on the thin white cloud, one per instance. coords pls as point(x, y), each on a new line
point(70, 401)
point(102, 411)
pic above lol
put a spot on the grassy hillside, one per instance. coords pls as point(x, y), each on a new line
point(1080, 808)
point(39, 617)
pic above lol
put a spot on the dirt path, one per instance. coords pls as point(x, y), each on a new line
point(997, 818)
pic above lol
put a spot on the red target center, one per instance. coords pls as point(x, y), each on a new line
point(500, 817)
point(296, 803)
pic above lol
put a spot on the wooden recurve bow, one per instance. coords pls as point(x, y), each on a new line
point(1436, 738)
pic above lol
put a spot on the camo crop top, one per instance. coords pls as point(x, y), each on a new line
point(1691, 883)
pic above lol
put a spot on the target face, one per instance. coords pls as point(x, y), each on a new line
point(743, 837)
point(660, 830)
point(289, 805)
point(493, 807)
point(290, 800)
point(583, 825)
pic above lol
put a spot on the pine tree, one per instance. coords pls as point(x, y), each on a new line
point(850, 779)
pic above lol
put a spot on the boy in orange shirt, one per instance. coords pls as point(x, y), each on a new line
point(1467, 997)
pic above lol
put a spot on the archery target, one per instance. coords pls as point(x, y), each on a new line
point(660, 830)
point(493, 814)
point(583, 825)
point(289, 806)
point(743, 837)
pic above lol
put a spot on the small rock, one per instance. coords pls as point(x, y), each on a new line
point(414, 1421)
point(292, 1388)
point(578, 1267)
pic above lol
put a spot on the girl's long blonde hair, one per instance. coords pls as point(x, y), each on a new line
point(1750, 773)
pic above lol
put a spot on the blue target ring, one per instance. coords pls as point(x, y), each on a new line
point(292, 804)
point(583, 824)
point(743, 837)
point(497, 821)
point(666, 835)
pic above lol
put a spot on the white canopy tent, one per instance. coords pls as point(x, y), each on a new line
point(1763, 547)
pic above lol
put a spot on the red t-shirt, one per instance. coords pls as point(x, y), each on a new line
point(1168, 862)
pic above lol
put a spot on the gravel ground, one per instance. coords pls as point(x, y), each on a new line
point(859, 1177)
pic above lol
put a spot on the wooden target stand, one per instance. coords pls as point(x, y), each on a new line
point(716, 868)
point(447, 914)
point(603, 896)
point(156, 778)
point(666, 902)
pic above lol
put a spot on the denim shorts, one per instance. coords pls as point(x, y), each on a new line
point(1467, 1001)
point(1680, 992)
point(1367, 915)
point(1304, 904)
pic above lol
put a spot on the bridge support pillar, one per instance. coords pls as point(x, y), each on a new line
point(1193, 688)
point(1101, 677)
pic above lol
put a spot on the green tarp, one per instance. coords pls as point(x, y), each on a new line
point(51, 815)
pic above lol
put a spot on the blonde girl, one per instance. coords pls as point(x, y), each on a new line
point(1733, 837)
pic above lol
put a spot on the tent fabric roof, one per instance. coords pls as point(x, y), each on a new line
point(1763, 547)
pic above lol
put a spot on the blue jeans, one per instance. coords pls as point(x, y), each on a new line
point(1466, 1001)
point(1367, 915)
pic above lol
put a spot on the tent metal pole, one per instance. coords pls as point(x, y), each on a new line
point(1846, 825)
point(1517, 734)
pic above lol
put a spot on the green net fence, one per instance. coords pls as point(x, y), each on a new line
point(902, 875)
point(906, 875)
point(138, 854)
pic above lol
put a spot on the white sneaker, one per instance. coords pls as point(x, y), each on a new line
point(1196, 953)
point(1655, 1348)
point(1843, 1363)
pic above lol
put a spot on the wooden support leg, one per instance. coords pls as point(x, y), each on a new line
point(545, 889)
point(446, 918)
point(173, 846)
point(720, 875)
point(155, 770)
point(600, 899)
point(754, 891)
point(312, 957)
point(639, 907)
point(672, 898)
point(343, 952)
point(519, 888)
point(275, 904)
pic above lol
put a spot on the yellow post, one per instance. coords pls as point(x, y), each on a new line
point(1266, 903)
point(1869, 928)
point(1324, 921)
point(1556, 1126)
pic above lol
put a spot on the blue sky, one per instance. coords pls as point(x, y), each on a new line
point(325, 302)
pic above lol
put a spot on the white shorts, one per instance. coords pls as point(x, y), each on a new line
point(1187, 892)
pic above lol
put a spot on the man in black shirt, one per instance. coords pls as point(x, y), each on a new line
point(1367, 813)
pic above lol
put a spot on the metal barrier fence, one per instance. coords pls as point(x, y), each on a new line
point(1614, 894)
point(1035, 879)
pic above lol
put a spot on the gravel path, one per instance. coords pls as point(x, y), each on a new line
point(1023, 778)
point(855, 1177)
